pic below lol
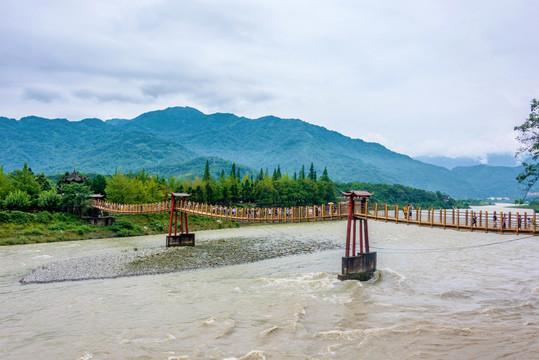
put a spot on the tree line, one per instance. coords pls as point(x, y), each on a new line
point(263, 189)
point(23, 190)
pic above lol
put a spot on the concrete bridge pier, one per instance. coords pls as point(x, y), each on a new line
point(357, 265)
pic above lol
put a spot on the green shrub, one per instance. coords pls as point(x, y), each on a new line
point(157, 226)
point(63, 217)
point(125, 228)
point(4, 217)
point(57, 227)
point(83, 229)
point(18, 217)
point(49, 200)
point(43, 217)
point(17, 200)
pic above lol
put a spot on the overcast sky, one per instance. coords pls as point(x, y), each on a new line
point(421, 77)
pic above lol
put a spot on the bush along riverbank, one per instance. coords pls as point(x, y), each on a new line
point(18, 227)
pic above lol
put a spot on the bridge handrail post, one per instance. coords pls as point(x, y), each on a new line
point(509, 222)
point(445, 217)
point(396, 214)
point(367, 208)
point(480, 219)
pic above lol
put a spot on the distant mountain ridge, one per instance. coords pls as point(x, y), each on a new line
point(178, 140)
point(500, 159)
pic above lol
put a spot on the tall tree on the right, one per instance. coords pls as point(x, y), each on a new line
point(528, 136)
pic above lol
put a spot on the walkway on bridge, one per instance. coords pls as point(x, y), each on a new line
point(458, 219)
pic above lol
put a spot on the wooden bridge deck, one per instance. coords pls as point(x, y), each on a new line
point(458, 219)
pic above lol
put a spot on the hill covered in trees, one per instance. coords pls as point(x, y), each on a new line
point(23, 190)
point(178, 141)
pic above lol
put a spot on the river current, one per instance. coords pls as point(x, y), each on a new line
point(439, 294)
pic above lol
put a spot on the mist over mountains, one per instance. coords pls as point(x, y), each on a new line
point(501, 159)
point(177, 141)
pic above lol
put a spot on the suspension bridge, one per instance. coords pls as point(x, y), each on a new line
point(458, 219)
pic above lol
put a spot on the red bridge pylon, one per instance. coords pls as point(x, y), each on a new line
point(357, 265)
point(184, 238)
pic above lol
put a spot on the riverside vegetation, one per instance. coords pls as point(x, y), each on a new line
point(36, 208)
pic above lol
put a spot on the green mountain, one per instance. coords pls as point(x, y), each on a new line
point(176, 141)
point(54, 146)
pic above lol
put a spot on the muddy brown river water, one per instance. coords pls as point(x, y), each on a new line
point(441, 294)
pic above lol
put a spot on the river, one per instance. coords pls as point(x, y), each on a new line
point(440, 294)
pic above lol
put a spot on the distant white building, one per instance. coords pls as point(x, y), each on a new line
point(494, 198)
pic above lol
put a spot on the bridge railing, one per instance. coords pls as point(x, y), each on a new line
point(466, 219)
point(270, 214)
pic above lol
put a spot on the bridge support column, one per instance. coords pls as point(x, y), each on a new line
point(177, 207)
point(357, 265)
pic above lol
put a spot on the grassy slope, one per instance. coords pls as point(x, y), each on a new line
point(28, 228)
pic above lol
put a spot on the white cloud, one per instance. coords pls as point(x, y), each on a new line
point(424, 78)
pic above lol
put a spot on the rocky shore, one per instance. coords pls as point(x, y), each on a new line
point(207, 254)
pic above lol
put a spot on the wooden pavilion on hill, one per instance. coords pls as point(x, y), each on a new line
point(73, 177)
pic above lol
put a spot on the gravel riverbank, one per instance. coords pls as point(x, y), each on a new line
point(207, 254)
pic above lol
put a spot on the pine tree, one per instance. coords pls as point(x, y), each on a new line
point(207, 176)
point(302, 173)
point(233, 171)
point(325, 176)
point(312, 172)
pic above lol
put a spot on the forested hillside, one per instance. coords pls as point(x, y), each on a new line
point(178, 141)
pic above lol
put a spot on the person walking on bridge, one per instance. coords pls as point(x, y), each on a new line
point(495, 219)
